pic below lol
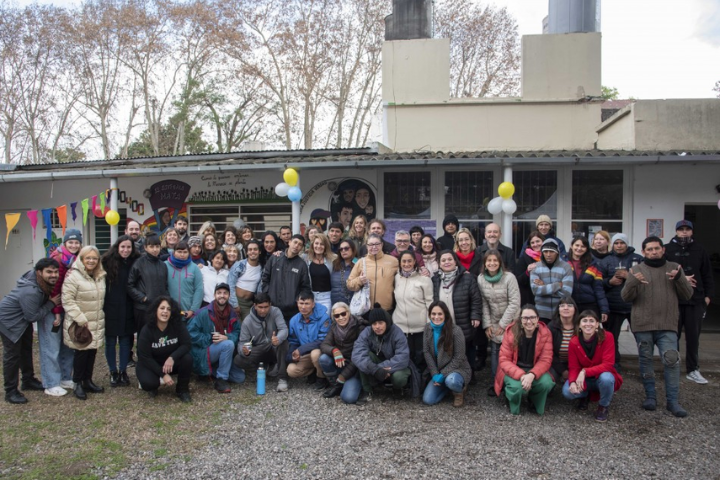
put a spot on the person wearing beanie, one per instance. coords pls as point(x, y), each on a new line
point(614, 269)
point(450, 226)
point(544, 226)
point(551, 280)
point(381, 354)
point(184, 281)
point(195, 246)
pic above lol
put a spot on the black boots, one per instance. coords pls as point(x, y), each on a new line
point(90, 387)
point(79, 392)
point(14, 396)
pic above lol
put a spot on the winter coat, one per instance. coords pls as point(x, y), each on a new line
point(200, 328)
point(339, 291)
point(558, 282)
point(608, 267)
point(443, 362)
point(25, 304)
point(523, 278)
point(445, 242)
point(501, 303)
point(695, 261)
point(508, 357)
point(392, 346)
point(83, 296)
point(148, 280)
point(306, 336)
point(185, 286)
point(413, 296)
point(118, 305)
point(283, 279)
point(588, 287)
point(467, 301)
point(507, 254)
point(380, 270)
point(331, 342)
point(260, 330)
point(62, 256)
point(603, 361)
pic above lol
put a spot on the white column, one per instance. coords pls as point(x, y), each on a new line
point(507, 218)
point(296, 214)
point(114, 207)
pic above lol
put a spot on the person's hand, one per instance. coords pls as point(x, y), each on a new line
point(56, 299)
point(532, 267)
point(296, 355)
point(189, 314)
point(574, 388)
point(527, 381)
point(57, 321)
point(580, 380)
point(475, 323)
point(245, 351)
point(338, 357)
point(621, 273)
point(363, 279)
point(278, 253)
point(640, 277)
point(168, 380)
point(200, 265)
point(692, 280)
point(539, 282)
point(498, 331)
point(673, 273)
point(615, 281)
point(168, 366)
point(488, 332)
point(707, 301)
point(275, 340)
point(603, 318)
point(218, 337)
point(425, 272)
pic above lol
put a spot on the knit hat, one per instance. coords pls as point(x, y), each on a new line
point(450, 218)
point(194, 240)
point(378, 314)
point(550, 245)
point(622, 237)
point(72, 234)
point(543, 218)
point(684, 223)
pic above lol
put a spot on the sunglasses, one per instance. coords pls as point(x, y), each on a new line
point(344, 249)
point(340, 315)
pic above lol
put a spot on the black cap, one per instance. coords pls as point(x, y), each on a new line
point(222, 285)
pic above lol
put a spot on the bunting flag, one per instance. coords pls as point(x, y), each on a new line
point(85, 206)
point(72, 209)
point(47, 218)
point(62, 216)
point(93, 204)
point(32, 215)
point(11, 219)
point(102, 203)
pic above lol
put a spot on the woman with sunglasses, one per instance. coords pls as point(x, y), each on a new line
point(342, 266)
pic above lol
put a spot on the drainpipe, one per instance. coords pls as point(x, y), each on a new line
point(114, 207)
point(507, 218)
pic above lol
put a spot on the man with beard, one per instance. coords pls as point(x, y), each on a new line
point(132, 230)
point(181, 226)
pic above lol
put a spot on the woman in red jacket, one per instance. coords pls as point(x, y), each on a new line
point(591, 375)
point(525, 357)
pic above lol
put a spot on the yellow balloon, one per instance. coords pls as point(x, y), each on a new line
point(291, 177)
point(506, 190)
point(112, 217)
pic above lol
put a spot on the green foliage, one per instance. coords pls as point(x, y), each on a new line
point(609, 93)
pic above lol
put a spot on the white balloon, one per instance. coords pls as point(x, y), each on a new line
point(282, 189)
point(495, 205)
point(509, 206)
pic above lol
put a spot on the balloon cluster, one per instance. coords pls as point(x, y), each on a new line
point(289, 187)
point(503, 203)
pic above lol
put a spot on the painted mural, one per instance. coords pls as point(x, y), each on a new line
point(346, 199)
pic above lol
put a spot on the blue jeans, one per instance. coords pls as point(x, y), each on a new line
point(221, 358)
point(126, 343)
point(56, 358)
point(605, 384)
point(353, 385)
point(667, 342)
point(434, 393)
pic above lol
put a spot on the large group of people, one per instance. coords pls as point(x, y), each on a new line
point(353, 313)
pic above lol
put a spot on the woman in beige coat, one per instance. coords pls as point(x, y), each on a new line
point(83, 294)
point(501, 303)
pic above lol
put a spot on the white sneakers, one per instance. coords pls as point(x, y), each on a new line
point(55, 391)
point(67, 384)
point(282, 385)
point(696, 377)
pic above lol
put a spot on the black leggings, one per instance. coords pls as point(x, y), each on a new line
point(149, 381)
point(83, 365)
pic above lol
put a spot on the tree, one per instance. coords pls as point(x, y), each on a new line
point(609, 93)
point(716, 88)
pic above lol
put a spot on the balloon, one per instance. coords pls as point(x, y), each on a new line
point(291, 177)
point(295, 194)
point(506, 190)
point(112, 217)
point(509, 206)
point(281, 189)
point(495, 205)
point(99, 213)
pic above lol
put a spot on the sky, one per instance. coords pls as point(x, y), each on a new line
point(652, 49)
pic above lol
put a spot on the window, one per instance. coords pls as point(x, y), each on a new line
point(466, 196)
point(260, 217)
point(102, 230)
point(597, 201)
point(407, 195)
point(535, 195)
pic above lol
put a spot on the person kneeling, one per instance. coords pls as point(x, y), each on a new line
point(263, 339)
point(214, 331)
point(164, 350)
point(444, 349)
point(526, 354)
point(381, 353)
point(591, 374)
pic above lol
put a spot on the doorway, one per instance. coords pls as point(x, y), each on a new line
point(706, 231)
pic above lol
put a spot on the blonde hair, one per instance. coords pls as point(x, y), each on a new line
point(473, 244)
point(164, 243)
point(327, 254)
point(81, 256)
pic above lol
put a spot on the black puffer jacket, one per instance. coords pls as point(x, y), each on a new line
point(467, 301)
point(148, 279)
point(695, 261)
point(345, 346)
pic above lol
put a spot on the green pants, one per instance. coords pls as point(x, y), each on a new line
point(538, 393)
point(399, 379)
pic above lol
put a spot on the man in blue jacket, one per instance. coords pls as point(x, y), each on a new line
point(306, 332)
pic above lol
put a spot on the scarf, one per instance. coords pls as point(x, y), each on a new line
point(180, 264)
point(342, 332)
point(222, 317)
point(405, 274)
point(660, 262)
point(533, 254)
point(465, 258)
point(448, 278)
point(66, 258)
point(495, 278)
point(437, 330)
point(429, 257)
point(44, 286)
point(684, 242)
point(197, 260)
point(589, 345)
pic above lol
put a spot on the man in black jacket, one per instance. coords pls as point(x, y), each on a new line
point(450, 226)
point(683, 249)
point(285, 276)
point(492, 240)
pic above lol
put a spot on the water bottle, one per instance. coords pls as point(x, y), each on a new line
point(261, 379)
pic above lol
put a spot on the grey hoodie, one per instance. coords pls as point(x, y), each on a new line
point(25, 304)
point(252, 327)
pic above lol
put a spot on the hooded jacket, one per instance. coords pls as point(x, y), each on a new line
point(25, 304)
point(307, 335)
point(260, 330)
point(200, 328)
point(695, 261)
point(185, 285)
point(148, 280)
point(588, 287)
point(392, 346)
point(467, 301)
point(508, 357)
point(283, 279)
point(501, 303)
point(83, 297)
point(447, 241)
point(608, 267)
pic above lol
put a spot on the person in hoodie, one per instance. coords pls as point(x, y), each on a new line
point(551, 280)
point(214, 332)
point(184, 280)
point(614, 269)
point(450, 226)
point(683, 249)
point(284, 277)
point(148, 280)
point(266, 331)
point(307, 330)
point(381, 354)
point(30, 301)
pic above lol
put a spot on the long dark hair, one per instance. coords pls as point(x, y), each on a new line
point(175, 316)
point(593, 314)
point(586, 258)
point(111, 260)
point(338, 262)
point(565, 300)
point(265, 255)
point(517, 328)
point(434, 244)
point(447, 338)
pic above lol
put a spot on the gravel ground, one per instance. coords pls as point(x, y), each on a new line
point(302, 435)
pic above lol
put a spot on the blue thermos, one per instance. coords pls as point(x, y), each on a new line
point(261, 379)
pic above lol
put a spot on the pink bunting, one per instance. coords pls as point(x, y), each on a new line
point(33, 216)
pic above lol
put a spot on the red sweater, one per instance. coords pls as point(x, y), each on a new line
point(602, 362)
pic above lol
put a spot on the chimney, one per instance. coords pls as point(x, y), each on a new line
point(410, 20)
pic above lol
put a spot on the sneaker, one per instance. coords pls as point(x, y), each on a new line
point(222, 386)
point(55, 391)
point(677, 410)
point(282, 386)
point(491, 391)
point(601, 414)
point(67, 384)
point(364, 398)
point(185, 397)
point(14, 396)
point(334, 390)
point(696, 377)
point(650, 404)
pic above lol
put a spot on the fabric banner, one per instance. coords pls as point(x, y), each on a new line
point(72, 209)
point(85, 206)
point(62, 216)
point(11, 219)
point(47, 218)
point(33, 216)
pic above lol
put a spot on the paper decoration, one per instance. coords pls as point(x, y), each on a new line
point(32, 215)
point(102, 203)
point(11, 219)
point(47, 218)
point(62, 216)
point(72, 209)
point(85, 206)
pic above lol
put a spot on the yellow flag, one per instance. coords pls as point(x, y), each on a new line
point(11, 219)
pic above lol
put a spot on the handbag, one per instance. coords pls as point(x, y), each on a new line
point(360, 303)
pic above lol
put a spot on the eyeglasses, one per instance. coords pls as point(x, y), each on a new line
point(94, 259)
point(340, 315)
point(344, 249)
point(402, 241)
point(373, 245)
point(529, 319)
